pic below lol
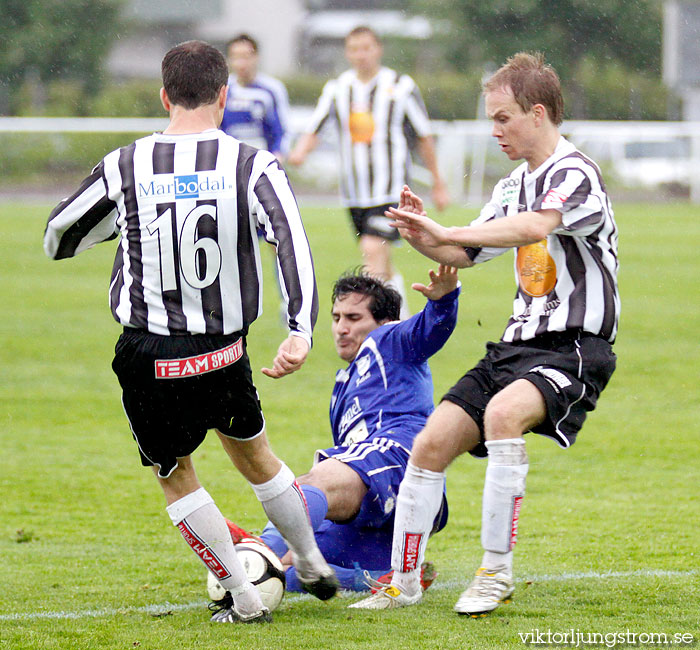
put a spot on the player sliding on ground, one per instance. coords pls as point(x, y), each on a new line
point(379, 403)
point(555, 355)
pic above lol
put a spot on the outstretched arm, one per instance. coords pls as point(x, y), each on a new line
point(507, 232)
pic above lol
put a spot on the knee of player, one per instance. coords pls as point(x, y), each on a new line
point(504, 418)
point(333, 477)
point(310, 478)
point(431, 452)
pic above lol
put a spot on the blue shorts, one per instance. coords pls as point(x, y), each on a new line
point(381, 464)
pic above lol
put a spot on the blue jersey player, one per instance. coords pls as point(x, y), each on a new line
point(379, 404)
point(257, 105)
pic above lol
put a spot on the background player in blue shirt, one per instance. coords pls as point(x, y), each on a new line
point(379, 404)
point(257, 105)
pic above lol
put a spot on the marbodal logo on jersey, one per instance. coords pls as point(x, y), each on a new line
point(187, 187)
point(190, 186)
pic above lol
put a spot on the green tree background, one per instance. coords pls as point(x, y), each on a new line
point(616, 41)
point(607, 53)
point(43, 40)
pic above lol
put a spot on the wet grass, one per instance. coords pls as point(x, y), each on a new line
point(609, 532)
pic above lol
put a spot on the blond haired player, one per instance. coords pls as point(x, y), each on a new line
point(555, 355)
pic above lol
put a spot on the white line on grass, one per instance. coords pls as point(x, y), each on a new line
point(166, 608)
point(154, 610)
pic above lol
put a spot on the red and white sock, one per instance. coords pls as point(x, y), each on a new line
point(204, 528)
point(504, 490)
point(417, 505)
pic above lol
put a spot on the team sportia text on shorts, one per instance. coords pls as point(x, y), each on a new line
point(175, 388)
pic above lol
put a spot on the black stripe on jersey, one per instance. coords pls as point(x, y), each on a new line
point(596, 169)
point(207, 152)
point(212, 304)
point(345, 183)
point(522, 200)
point(353, 169)
point(116, 282)
point(164, 163)
point(411, 136)
point(74, 235)
point(608, 326)
point(544, 320)
point(172, 300)
point(283, 234)
point(539, 185)
point(528, 302)
point(249, 283)
point(578, 197)
point(332, 111)
point(517, 334)
point(139, 314)
point(164, 158)
point(370, 166)
point(389, 143)
point(577, 270)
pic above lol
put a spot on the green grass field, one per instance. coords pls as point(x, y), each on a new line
point(610, 530)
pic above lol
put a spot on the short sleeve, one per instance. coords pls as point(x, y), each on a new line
point(573, 192)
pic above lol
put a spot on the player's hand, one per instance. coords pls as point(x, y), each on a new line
point(441, 283)
point(418, 229)
point(291, 355)
point(410, 202)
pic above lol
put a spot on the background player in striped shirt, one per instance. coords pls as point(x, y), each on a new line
point(186, 284)
point(379, 114)
point(257, 105)
point(555, 355)
point(380, 402)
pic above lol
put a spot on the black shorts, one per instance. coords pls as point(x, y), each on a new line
point(371, 221)
point(176, 388)
point(569, 369)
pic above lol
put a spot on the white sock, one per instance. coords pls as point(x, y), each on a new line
point(504, 489)
point(285, 506)
point(492, 561)
point(418, 502)
point(396, 282)
point(204, 528)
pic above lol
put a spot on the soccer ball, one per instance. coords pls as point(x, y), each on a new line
point(263, 569)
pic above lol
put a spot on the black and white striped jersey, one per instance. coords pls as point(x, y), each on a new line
point(377, 122)
point(185, 209)
point(567, 281)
